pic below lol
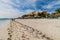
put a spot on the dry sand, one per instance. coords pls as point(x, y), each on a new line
point(50, 27)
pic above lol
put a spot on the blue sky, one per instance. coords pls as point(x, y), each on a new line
point(16, 8)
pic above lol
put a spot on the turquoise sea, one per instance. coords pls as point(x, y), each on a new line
point(2, 21)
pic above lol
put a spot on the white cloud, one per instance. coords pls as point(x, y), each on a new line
point(8, 11)
point(48, 6)
point(29, 10)
point(27, 3)
point(52, 4)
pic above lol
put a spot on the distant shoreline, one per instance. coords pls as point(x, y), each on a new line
point(25, 18)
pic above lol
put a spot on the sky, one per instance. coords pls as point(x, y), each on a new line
point(16, 8)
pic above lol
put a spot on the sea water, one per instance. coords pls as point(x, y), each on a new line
point(2, 21)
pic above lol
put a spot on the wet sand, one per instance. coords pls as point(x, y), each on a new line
point(3, 30)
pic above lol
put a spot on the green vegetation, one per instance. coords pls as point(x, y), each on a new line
point(57, 13)
point(43, 14)
point(58, 10)
point(24, 16)
point(54, 15)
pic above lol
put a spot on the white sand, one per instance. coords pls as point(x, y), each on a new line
point(3, 30)
point(50, 27)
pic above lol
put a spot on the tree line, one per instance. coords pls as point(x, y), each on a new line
point(43, 14)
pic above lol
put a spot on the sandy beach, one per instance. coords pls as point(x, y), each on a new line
point(49, 27)
point(3, 30)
